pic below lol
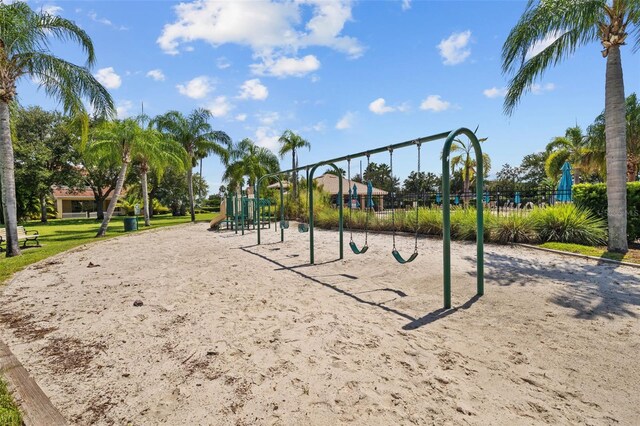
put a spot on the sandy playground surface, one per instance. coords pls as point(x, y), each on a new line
point(235, 334)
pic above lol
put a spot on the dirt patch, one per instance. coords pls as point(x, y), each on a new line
point(68, 354)
point(25, 326)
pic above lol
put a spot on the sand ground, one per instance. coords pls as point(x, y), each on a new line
point(231, 333)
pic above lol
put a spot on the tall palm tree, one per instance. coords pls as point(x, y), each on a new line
point(572, 24)
point(197, 137)
point(122, 141)
point(464, 161)
point(158, 153)
point(250, 161)
point(572, 147)
point(292, 142)
point(24, 52)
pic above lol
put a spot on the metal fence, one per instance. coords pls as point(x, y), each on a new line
point(499, 201)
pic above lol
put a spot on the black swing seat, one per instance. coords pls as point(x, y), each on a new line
point(356, 250)
point(303, 227)
point(284, 224)
point(401, 260)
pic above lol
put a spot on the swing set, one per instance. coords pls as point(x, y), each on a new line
point(446, 207)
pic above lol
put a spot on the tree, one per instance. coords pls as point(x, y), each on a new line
point(532, 171)
point(467, 164)
point(572, 147)
point(418, 183)
point(571, 24)
point(331, 171)
point(197, 137)
point(291, 142)
point(158, 153)
point(121, 141)
point(597, 137)
point(248, 160)
point(380, 177)
point(24, 52)
point(507, 176)
point(44, 157)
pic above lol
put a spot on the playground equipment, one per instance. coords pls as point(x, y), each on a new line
point(396, 254)
point(368, 206)
point(239, 212)
point(446, 206)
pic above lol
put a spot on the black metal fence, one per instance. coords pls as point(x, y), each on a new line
point(499, 201)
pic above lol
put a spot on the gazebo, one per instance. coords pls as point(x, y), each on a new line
point(330, 183)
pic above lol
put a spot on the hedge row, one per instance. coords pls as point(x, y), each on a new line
point(594, 197)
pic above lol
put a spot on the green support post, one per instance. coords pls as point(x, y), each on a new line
point(281, 202)
point(340, 205)
point(446, 210)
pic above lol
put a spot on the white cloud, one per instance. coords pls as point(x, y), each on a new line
point(272, 29)
point(52, 9)
point(241, 117)
point(268, 118)
point(454, 49)
point(123, 109)
point(267, 138)
point(223, 63)
point(284, 67)
point(434, 103)
point(219, 107)
point(320, 126)
point(379, 107)
point(156, 74)
point(346, 121)
point(406, 4)
point(104, 21)
point(538, 89)
point(197, 88)
point(253, 89)
point(108, 78)
point(541, 45)
point(495, 92)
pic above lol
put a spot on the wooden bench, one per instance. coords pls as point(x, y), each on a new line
point(23, 235)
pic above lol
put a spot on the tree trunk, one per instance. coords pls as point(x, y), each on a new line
point(43, 208)
point(145, 197)
point(9, 202)
point(294, 175)
point(200, 192)
point(99, 207)
point(114, 200)
point(616, 150)
point(152, 196)
point(465, 186)
point(191, 202)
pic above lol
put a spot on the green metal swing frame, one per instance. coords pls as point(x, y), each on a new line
point(449, 138)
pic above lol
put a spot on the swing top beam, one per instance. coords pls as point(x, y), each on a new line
point(386, 148)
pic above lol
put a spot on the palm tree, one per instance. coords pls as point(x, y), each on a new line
point(292, 142)
point(250, 161)
point(467, 164)
point(572, 147)
point(24, 52)
point(571, 24)
point(197, 137)
point(122, 141)
point(158, 153)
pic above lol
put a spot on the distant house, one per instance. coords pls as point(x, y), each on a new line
point(330, 183)
point(78, 203)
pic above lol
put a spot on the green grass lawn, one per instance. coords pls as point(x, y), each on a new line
point(63, 234)
point(632, 256)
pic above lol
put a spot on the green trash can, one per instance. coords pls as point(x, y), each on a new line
point(130, 224)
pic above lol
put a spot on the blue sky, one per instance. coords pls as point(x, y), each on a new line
point(346, 75)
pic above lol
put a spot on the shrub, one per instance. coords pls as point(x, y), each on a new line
point(568, 223)
point(594, 197)
point(514, 229)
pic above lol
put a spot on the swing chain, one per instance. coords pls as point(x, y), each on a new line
point(350, 199)
point(393, 201)
point(369, 207)
point(417, 200)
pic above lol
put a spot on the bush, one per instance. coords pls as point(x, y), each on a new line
point(594, 197)
point(514, 229)
point(568, 223)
